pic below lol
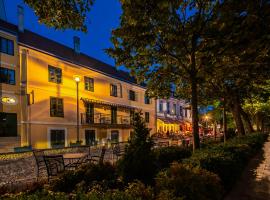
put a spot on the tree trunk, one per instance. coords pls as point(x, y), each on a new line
point(237, 116)
point(247, 120)
point(195, 117)
point(224, 121)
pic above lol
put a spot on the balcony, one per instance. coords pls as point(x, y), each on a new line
point(106, 120)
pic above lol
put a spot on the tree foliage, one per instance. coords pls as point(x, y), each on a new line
point(62, 14)
point(138, 161)
point(162, 42)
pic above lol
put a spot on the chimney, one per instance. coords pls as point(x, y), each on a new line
point(20, 19)
point(76, 43)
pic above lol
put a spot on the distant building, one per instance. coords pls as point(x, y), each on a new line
point(173, 115)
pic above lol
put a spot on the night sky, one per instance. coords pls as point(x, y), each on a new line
point(103, 17)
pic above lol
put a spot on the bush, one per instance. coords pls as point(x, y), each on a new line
point(138, 162)
point(191, 183)
point(38, 195)
point(229, 160)
point(166, 155)
point(84, 177)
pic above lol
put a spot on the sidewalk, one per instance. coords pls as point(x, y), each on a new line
point(255, 181)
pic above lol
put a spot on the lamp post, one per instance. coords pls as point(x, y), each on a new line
point(206, 122)
point(77, 79)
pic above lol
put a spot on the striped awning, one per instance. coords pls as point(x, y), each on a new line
point(104, 103)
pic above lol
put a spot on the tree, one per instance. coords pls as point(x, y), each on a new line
point(62, 14)
point(161, 42)
point(138, 161)
point(239, 53)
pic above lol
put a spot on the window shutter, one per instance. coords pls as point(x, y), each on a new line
point(119, 88)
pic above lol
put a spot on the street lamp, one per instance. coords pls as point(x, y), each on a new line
point(206, 122)
point(77, 79)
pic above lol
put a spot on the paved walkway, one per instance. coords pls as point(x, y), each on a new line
point(255, 181)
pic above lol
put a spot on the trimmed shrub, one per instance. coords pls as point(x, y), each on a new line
point(84, 177)
point(138, 162)
point(229, 160)
point(191, 183)
point(166, 155)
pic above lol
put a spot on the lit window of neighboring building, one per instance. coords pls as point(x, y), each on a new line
point(181, 111)
point(174, 109)
point(132, 95)
point(6, 46)
point(55, 74)
point(89, 84)
point(113, 90)
point(168, 107)
point(56, 107)
point(7, 76)
point(147, 117)
point(160, 106)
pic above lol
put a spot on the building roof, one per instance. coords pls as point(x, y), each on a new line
point(38, 42)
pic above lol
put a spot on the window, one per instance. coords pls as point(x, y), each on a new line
point(89, 84)
point(146, 100)
point(7, 76)
point(185, 112)
point(168, 107)
point(57, 138)
point(132, 95)
point(174, 109)
point(115, 136)
point(113, 90)
point(147, 117)
point(55, 74)
point(181, 111)
point(56, 107)
point(6, 46)
point(160, 106)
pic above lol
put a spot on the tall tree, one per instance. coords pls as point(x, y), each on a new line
point(62, 14)
point(239, 51)
point(161, 42)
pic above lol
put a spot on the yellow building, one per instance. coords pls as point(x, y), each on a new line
point(38, 89)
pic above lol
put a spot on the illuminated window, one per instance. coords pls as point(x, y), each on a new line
point(6, 46)
point(55, 74)
point(89, 84)
point(113, 90)
point(132, 95)
point(160, 106)
point(56, 107)
point(7, 76)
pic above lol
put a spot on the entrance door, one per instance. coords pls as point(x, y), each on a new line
point(90, 137)
point(90, 113)
point(8, 124)
point(115, 136)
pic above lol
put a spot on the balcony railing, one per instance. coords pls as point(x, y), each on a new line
point(107, 119)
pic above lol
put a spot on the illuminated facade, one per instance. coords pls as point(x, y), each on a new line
point(173, 116)
point(38, 92)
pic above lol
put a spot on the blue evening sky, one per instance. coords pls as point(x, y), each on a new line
point(103, 17)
